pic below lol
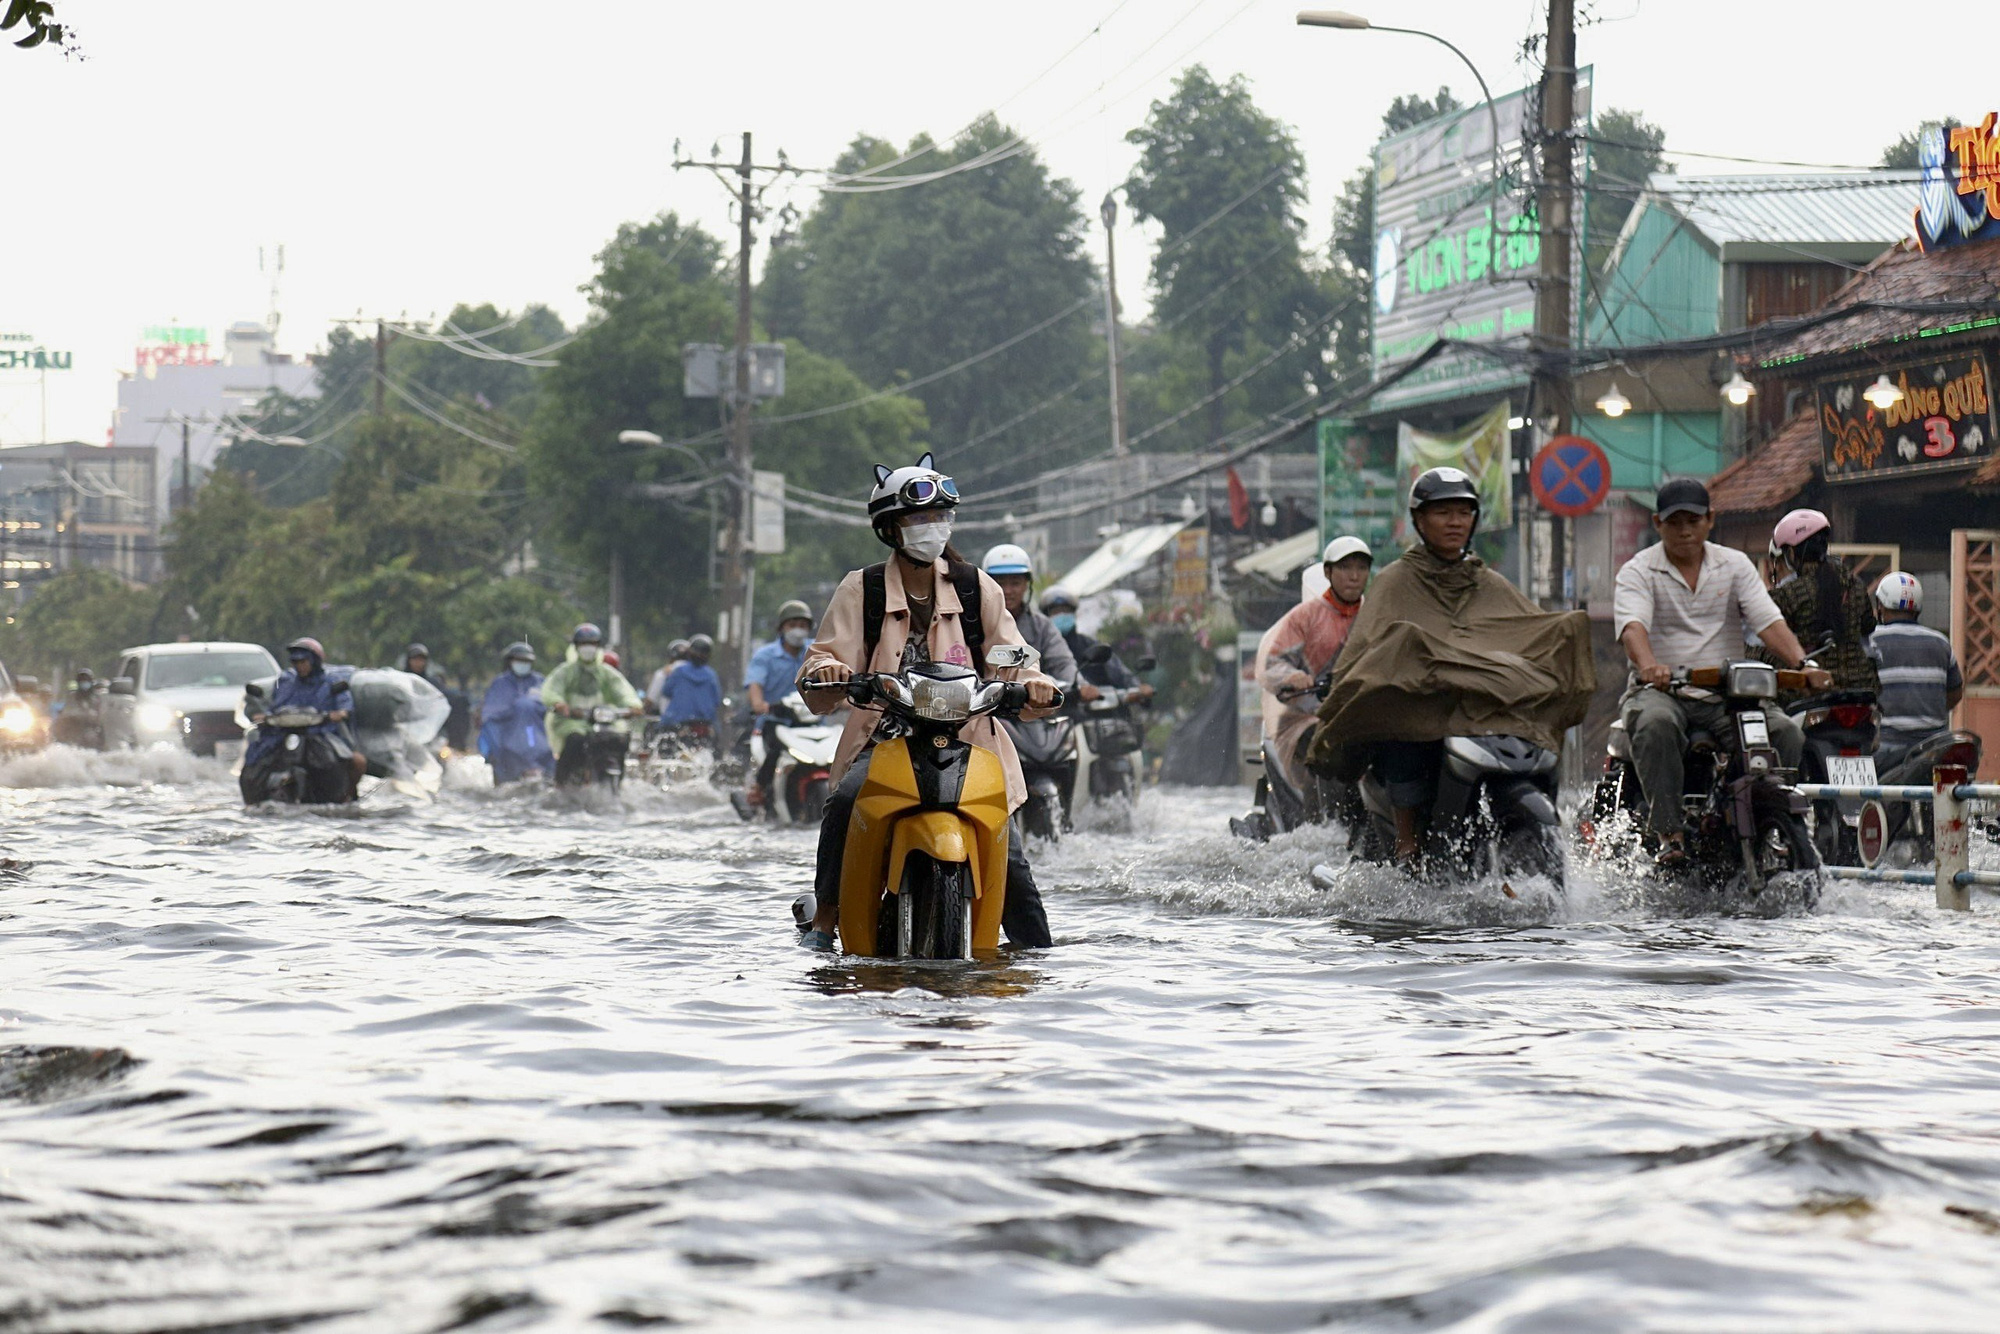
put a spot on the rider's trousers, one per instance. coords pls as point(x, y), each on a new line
point(1658, 725)
point(1023, 918)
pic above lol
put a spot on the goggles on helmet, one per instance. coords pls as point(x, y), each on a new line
point(921, 491)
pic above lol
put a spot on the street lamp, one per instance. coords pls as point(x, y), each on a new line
point(1883, 394)
point(1614, 404)
point(1340, 18)
point(1738, 390)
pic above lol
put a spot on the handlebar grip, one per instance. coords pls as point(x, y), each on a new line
point(1013, 697)
point(861, 689)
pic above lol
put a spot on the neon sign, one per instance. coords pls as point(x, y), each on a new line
point(33, 359)
point(1959, 195)
point(1944, 419)
point(172, 345)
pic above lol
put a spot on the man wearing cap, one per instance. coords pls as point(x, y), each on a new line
point(1686, 603)
point(772, 672)
point(1294, 653)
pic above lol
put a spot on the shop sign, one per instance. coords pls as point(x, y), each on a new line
point(1483, 448)
point(1944, 420)
point(172, 345)
point(1454, 258)
point(33, 359)
point(1959, 197)
point(1354, 501)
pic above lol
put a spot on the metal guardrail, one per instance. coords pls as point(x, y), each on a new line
point(1948, 796)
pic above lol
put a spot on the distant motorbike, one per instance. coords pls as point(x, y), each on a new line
point(605, 745)
point(305, 769)
point(676, 752)
point(1911, 820)
point(1840, 729)
point(1745, 822)
point(807, 743)
point(1281, 807)
point(1048, 751)
point(1492, 812)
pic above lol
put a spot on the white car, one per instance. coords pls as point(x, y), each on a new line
point(187, 693)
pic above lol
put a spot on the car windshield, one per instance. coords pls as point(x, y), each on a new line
point(172, 671)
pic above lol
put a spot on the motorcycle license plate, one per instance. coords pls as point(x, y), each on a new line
point(1851, 770)
point(1756, 730)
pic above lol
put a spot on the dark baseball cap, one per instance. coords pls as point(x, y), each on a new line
point(1682, 493)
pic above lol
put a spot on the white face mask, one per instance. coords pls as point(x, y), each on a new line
point(925, 542)
point(795, 638)
point(587, 652)
point(520, 668)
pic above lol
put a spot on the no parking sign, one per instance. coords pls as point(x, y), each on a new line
point(1570, 476)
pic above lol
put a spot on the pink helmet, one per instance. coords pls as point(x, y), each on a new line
point(1797, 526)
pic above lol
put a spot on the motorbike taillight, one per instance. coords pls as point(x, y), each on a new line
point(1960, 754)
point(1850, 715)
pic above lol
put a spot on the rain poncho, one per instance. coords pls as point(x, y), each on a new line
point(582, 686)
point(396, 715)
point(1444, 649)
point(512, 736)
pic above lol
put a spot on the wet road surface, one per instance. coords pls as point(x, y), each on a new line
point(505, 1061)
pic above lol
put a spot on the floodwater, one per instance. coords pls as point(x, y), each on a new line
point(508, 1062)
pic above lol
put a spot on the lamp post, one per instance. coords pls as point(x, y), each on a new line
point(1340, 18)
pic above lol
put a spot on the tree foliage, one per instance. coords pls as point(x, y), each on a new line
point(1226, 183)
point(902, 283)
point(1902, 155)
point(1624, 152)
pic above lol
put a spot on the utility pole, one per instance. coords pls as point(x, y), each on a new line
point(381, 366)
point(739, 568)
point(186, 473)
point(180, 496)
point(1109, 212)
point(1555, 212)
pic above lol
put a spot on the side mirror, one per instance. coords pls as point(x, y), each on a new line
point(1146, 664)
point(252, 689)
point(122, 685)
point(1013, 655)
point(1098, 656)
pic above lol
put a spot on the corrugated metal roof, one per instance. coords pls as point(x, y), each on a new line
point(1846, 208)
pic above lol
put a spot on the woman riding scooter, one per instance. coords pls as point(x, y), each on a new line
point(923, 606)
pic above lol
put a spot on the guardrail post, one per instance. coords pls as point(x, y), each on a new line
point(1949, 831)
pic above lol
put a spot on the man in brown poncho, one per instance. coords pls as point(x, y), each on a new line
point(1446, 647)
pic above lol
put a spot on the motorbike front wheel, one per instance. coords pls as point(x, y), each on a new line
point(1534, 850)
point(933, 913)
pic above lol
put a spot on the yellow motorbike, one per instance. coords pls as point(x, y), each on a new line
point(924, 875)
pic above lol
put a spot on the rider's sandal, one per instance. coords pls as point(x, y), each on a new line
point(1672, 853)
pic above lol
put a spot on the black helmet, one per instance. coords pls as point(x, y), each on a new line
point(416, 651)
point(521, 649)
point(1444, 484)
point(587, 634)
point(701, 644)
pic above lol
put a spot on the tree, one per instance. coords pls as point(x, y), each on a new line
point(1624, 153)
point(1226, 183)
point(79, 618)
point(1902, 155)
point(905, 282)
point(660, 285)
point(41, 27)
point(1354, 239)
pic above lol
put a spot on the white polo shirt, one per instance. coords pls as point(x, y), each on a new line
point(1700, 626)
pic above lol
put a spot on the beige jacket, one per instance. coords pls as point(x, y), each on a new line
point(840, 640)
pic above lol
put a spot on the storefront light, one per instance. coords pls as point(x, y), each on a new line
point(1738, 390)
point(1883, 394)
point(1614, 404)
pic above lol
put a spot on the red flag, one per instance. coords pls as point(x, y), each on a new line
point(1239, 501)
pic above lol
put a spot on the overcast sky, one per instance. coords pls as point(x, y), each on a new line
point(419, 153)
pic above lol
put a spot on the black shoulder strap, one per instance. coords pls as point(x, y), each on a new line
point(965, 578)
point(874, 606)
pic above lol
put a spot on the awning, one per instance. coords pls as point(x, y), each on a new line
point(1118, 558)
point(1281, 558)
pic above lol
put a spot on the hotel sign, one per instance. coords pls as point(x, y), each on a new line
point(1959, 197)
point(1943, 420)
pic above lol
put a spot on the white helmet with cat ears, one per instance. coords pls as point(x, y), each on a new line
point(900, 491)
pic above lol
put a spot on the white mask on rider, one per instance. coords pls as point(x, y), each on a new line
point(587, 652)
point(923, 543)
point(795, 638)
point(520, 668)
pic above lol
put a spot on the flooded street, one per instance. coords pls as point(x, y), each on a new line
point(505, 1061)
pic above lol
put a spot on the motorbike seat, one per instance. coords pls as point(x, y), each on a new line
point(1700, 739)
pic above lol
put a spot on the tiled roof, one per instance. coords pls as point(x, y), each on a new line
point(1850, 208)
point(1771, 476)
point(1950, 276)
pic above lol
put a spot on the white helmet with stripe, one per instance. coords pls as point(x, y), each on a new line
point(1899, 592)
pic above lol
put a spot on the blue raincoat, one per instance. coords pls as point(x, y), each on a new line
point(511, 733)
point(325, 689)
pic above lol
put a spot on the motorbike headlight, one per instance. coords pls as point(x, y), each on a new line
point(1753, 680)
point(16, 719)
point(946, 701)
point(156, 718)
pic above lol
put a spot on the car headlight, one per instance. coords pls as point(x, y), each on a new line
point(16, 719)
point(157, 718)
